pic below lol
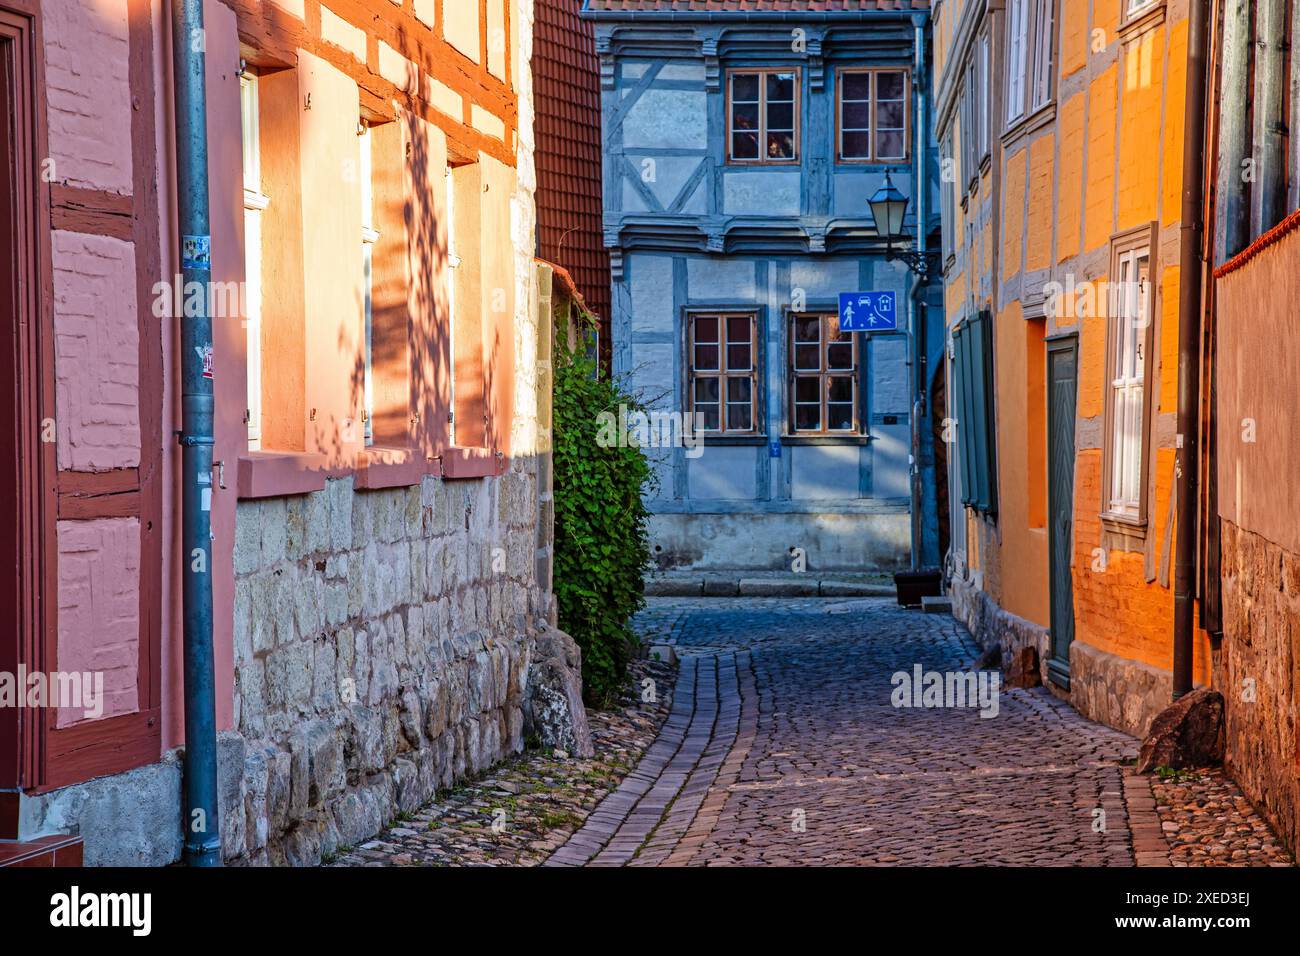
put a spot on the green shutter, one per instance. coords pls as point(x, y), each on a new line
point(990, 418)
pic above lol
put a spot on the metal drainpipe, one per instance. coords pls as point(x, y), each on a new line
point(919, 188)
point(202, 821)
point(1189, 348)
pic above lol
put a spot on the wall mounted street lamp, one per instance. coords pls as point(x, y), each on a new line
point(888, 207)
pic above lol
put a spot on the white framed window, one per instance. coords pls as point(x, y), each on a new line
point(1134, 7)
point(982, 119)
point(1017, 41)
point(255, 204)
point(1128, 347)
point(1031, 56)
point(369, 236)
point(1044, 60)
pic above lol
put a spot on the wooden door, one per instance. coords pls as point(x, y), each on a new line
point(1062, 376)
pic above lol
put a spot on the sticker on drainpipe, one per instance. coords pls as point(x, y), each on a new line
point(196, 252)
point(205, 353)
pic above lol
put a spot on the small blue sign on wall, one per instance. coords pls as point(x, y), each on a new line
point(869, 311)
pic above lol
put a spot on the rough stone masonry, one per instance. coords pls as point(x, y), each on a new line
point(382, 646)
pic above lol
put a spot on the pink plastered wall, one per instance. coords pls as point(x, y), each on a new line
point(97, 353)
point(99, 610)
point(86, 51)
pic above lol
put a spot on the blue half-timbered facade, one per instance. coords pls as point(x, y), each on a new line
point(741, 147)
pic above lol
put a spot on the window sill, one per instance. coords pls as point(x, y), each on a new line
point(1030, 123)
point(761, 164)
point(845, 439)
point(461, 462)
point(1142, 21)
point(1123, 532)
point(271, 474)
point(389, 466)
point(709, 438)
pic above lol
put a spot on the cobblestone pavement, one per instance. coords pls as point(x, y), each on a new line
point(1208, 822)
point(783, 747)
point(520, 811)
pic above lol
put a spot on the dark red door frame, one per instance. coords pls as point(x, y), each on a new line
point(28, 346)
point(45, 756)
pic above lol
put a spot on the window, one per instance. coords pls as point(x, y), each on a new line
point(969, 110)
point(723, 386)
point(1031, 44)
point(369, 236)
point(982, 112)
point(972, 341)
point(763, 116)
point(255, 203)
point(1041, 88)
point(823, 376)
point(1017, 36)
point(1134, 7)
point(1127, 349)
point(466, 304)
point(873, 115)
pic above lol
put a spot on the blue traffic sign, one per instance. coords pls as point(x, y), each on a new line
point(868, 312)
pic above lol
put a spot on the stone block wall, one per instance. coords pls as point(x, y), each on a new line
point(1258, 671)
point(382, 643)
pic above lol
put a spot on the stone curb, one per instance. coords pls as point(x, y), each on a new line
point(762, 587)
point(1150, 848)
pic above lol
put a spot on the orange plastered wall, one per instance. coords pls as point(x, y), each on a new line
point(1069, 133)
point(1142, 65)
point(1038, 253)
point(1116, 610)
point(1013, 213)
point(1099, 202)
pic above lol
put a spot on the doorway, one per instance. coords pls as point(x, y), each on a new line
point(1062, 386)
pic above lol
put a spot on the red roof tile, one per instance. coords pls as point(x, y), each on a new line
point(566, 78)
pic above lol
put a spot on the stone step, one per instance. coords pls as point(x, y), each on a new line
point(787, 585)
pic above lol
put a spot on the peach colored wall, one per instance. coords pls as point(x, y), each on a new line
point(332, 261)
point(1258, 395)
point(99, 609)
point(86, 50)
point(97, 353)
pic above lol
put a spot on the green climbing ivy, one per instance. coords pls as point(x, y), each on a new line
point(601, 539)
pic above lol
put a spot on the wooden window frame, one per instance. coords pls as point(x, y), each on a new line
point(1014, 73)
point(823, 373)
point(1028, 105)
point(1127, 531)
point(723, 374)
point(873, 103)
point(763, 72)
point(1040, 44)
point(255, 204)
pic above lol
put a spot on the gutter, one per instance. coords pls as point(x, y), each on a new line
point(1190, 313)
point(921, 190)
point(201, 823)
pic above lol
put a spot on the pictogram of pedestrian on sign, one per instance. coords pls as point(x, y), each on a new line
point(868, 311)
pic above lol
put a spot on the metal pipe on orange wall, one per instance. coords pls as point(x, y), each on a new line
point(1187, 467)
point(201, 822)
